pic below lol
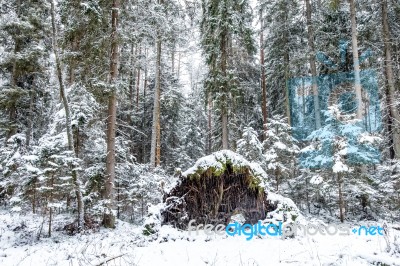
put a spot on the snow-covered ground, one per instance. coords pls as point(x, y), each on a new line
point(127, 246)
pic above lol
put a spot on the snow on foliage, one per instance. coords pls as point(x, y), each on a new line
point(218, 161)
point(286, 210)
point(339, 145)
point(249, 146)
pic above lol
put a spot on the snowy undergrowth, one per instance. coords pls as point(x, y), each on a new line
point(126, 245)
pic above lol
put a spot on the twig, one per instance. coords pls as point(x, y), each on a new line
point(110, 259)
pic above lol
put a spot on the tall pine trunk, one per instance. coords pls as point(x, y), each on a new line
point(14, 79)
point(356, 62)
point(133, 55)
point(29, 130)
point(313, 65)
point(138, 82)
point(391, 95)
point(224, 104)
point(286, 60)
point(341, 202)
point(156, 131)
point(144, 138)
point(263, 79)
point(109, 218)
point(209, 117)
point(75, 177)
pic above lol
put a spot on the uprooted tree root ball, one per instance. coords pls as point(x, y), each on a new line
point(216, 188)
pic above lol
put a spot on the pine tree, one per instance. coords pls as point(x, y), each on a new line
point(249, 146)
point(23, 29)
point(231, 20)
point(284, 46)
point(390, 92)
point(109, 219)
point(75, 178)
point(280, 150)
point(338, 147)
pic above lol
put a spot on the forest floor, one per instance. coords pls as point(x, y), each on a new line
point(126, 245)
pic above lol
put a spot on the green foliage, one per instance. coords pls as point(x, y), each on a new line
point(148, 230)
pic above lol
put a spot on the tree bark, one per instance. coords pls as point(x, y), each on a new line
point(74, 46)
point(132, 78)
point(341, 203)
point(224, 104)
point(50, 201)
point(356, 62)
point(155, 135)
point(286, 60)
point(143, 138)
point(263, 80)
point(109, 218)
point(313, 65)
point(225, 142)
point(138, 83)
point(178, 71)
point(277, 177)
point(391, 91)
point(29, 131)
point(75, 177)
point(209, 123)
point(173, 59)
point(14, 78)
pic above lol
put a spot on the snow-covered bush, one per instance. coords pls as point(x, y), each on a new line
point(280, 150)
point(249, 146)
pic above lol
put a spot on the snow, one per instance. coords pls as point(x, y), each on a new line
point(365, 138)
point(15, 199)
point(65, 178)
point(16, 209)
point(340, 167)
point(16, 156)
point(30, 158)
point(125, 245)
point(316, 180)
point(217, 161)
point(285, 207)
point(32, 169)
point(280, 145)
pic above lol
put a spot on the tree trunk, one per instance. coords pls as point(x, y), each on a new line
point(209, 123)
point(286, 60)
point(313, 65)
point(391, 91)
point(75, 177)
point(144, 138)
point(263, 80)
point(109, 218)
point(173, 59)
point(34, 197)
point(14, 77)
point(50, 201)
point(224, 117)
point(138, 83)
point(155, 135)
point(132, 80)
point(277, 175)
point(178, 71)
point(224, 104)
point(29, 132)
point(74, 46)
point(356, 62)
point(341, 203)
point(307, 196)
